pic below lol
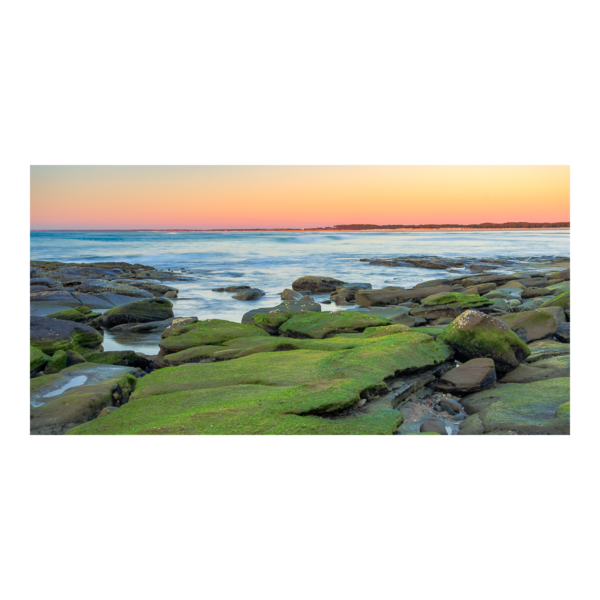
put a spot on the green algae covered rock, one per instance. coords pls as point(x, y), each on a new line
point(285, 392)
point(37, 360)
point(434, 332)
point(465, 300)
point(211, 332)
point(80, 314)
point(528, 408)
point(563, 300)
point(532, 325)
point(51, 335)
point(142, 311)
point(563, 286)
point(123, 358)
point(543, 349)
point(547, 368)
point(305, 324)
point(57, 363)
point(475, 335)
point(272, 320)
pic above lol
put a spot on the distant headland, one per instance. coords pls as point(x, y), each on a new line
point(352, 227)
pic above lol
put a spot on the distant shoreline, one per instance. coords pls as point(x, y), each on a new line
point(305, 230)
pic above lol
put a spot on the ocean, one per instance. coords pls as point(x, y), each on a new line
point(271, 261)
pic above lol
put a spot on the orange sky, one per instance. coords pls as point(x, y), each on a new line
point(263, 197)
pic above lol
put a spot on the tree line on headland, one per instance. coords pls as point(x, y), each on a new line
point(511, 225)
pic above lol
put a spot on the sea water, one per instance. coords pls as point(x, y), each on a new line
point(271, 261)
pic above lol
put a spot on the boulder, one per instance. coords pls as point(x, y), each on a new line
point(535, 293)
point(79, 314)
point(50, 335)
point(472, 376)
point(142, 311)
point(546, 349)
point(288, 294)
point(293, 306)
point(556, 311)
point(563, 300)
point(317, 284)
point(522, 408)
point(476, 335)
point(76, 395)
point(481, 289)
point(563, 333)
point(434, 426)
point(37, 360)
point(548, 368)
point(57, 363)
point(251, 294)
point(101, 286)
point(531, 325)
point(156, 289)
point(440, 306)
point(306, 324)
point(397, 296)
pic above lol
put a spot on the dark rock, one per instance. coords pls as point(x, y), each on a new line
point(251, 294)
point(396, 296)
point(101, 286)
point(317, 284)
point(472, 376)
point(51, 335)
point(143, 311)
point(434, 426)
point(563, 333)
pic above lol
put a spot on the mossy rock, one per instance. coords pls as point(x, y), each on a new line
point(532, 325)
point(462, 300)
point(37, 360)
point(371, 332)
point(313, 325)
point(543, 349)
point(80, 314)
point(563, 300)
point(286, 392)
point(211, 332)
point(142, 311)
point(51, 335)
point(548, 368)
point(528, 408)
point(57, 363)
point(271, 321)
point(563, 286)
point(434, 332)
point(475, 335)
point(123, 358)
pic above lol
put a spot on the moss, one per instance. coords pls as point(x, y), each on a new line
point(463, 300)
point(371, 332)
point(37, 359)
point(316, 325)
point(474, 335)
point(293, 392)
point(123, 358)
point(563, 300)
point(271, 321)
point(57, 363)
point(563, 412)
point(563, 286)
point(81, 314)
point(206, 333)
point(434, 332)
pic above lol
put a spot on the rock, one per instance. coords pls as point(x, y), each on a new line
point(472, 376)
point(442, 321)
point(513, 284)
point(434, 283)
point(563, 300)
point(76, 395)
point(101, 286)
point(271, 321)
point(251, 294)
point(563, 333)
point(74, 273)
point(434, 426)
point(60, 296)
point(44, 281)
point(142, 311)
point(290, 392)
point(549, 368)
point(106, 411)
point(524, 408)
point(74, 358)
point(57, 363)
point(288, 294)
point(232, 288)
point(475, 335)
point(535, 293)
point(307, 299)
point(170, 294)
point(543, 349)
point(531, 325)
point(123, 358)
point(317, 285)
point(101, 301)
point(557, 312)
point(79, 314)
point(156, 289)
point(37, 360)
point(397, 296)
point(559, 288)
point(531, 304)
point(441, 306)
point(499, 305)
point(481, 289)
point(377, 331)
point(347, 293)
point(292, 306)
point(51, 335)
point(318, 325)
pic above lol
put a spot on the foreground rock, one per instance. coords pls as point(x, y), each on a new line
point(80, 314)
point(475, 335)
point(384, 297)
point(143, 311)
point(531, 408)
point(547, 368)
point(289, 392)
point(76, 395)
point(473, 376)
point(306, 324)
point(317, 285)
point(51, 335)
point(291, 306)
point(532, 325)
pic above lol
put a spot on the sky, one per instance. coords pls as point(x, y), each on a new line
point(211, 197)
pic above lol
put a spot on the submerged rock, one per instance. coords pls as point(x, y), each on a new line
point(475, 335)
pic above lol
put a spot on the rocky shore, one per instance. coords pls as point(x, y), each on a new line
point(483, 350)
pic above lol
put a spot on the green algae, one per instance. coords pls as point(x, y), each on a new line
point(80, 314)
point(563, 300)
point(57, 363)
point(462, 300)
point(37, 359)
point(293, 392)
point(316, 325)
